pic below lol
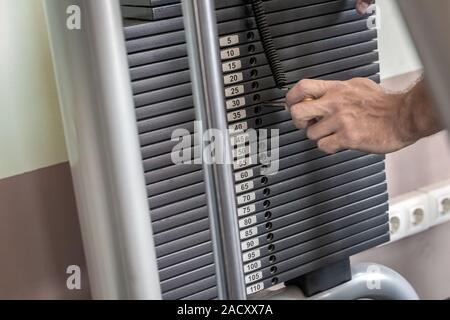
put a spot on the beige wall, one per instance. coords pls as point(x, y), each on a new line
point(40, 236)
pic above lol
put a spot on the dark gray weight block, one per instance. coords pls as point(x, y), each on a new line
point(209, 294)
point(318, 236)
point(179, 51)
point(189, 289)
point(312, 181)
point(327, 254)
point(180, 244)
point(306, 218)
point(184, 255)
point(188, 278)
point(186, 266)
point(297, 59)
point(287, 197)
point(291, 224)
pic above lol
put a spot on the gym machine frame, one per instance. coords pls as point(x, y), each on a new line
point(97, 107)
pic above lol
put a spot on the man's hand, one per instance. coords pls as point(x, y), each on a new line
point(363, 5)
point(358, 114)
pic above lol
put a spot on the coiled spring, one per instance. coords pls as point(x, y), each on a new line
point(268, 44)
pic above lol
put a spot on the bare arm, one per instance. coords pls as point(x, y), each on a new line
point(359, 114)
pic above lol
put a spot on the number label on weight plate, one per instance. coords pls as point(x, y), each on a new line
point(244, 163)
point(240, 139)
point(246, 198)
point(244, 186)
point(250, 244)
point(241, 152)
point(238, 127)
point(230, 53)
point(237, 115)
point(252, 266)
point(254, 288)
point(233, 78)
point(248, 233)
point(234, 91)
point(243, 211)
point(247, 222)
point(232, 65)
point(253, 277)
point(229, 40)
point(251, 255)
point(236, 103)
point(243, 175)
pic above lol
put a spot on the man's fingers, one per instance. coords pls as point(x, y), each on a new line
point(309, 110)
point(322, 129)
point(308, 89)
point(330, 144)
point(363, 5)
point(301, 124)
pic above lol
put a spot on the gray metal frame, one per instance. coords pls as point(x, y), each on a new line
point(209, 101)
point(100, 126)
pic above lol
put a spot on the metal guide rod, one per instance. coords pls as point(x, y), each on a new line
point(96, 101)
point(208, 92)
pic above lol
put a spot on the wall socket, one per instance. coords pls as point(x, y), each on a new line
point(417, 211)
point(409, 214)
point(439, 195)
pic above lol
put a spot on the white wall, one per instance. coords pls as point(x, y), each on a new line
point(31, 134)
point(397, 52)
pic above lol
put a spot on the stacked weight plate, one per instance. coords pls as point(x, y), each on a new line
point(318, 209)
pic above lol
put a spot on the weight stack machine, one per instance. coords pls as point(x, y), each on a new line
point(126, 93)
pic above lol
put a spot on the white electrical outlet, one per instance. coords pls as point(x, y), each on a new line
point(439, 195)
point(419, 210)
point(409, 214)
point(398, 222)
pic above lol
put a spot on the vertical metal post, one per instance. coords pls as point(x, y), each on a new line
point(208, 91)
point(96, 101)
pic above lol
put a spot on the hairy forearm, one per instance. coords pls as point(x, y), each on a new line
point(358, 114)
point(418, 119)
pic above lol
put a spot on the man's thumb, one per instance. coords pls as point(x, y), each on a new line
point(363, 5)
